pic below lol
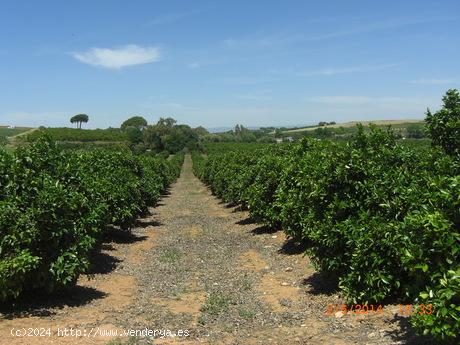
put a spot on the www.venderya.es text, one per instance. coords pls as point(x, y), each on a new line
point(97, 332)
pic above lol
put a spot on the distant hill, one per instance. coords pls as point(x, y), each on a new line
point(354, 123)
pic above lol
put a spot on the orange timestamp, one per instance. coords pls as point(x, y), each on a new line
point(354, 309)
point(421, 309)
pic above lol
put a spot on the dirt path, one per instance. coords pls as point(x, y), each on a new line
point(204, 268)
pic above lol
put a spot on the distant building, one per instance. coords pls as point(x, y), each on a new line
point(285, 139)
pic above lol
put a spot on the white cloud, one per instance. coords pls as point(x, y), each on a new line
point(120, 57)
point(431, 81)
point(345, 70)
point(263, 39)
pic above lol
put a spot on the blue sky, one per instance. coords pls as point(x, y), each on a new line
point(218, 63)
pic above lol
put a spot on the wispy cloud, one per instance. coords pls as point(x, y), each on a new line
point(433, 81)
point(117, 58)
point(354, 69)
point(378, 26)
point(171, 17)
point(260, 39)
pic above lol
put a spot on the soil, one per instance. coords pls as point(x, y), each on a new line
point(198, 265)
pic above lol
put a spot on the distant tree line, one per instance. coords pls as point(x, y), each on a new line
point(165, 135)
point(323, 123)
point(242, 134)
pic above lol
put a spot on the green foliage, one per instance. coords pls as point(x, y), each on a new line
point(134, 134)
point(198, 164)
point(224, 147)
point(444, 296)
point(80, 135)
point(9, 132)
point(241, 134)
point(415, 132)
point(324, 133)
point(79, 119)
point(201, 131)
point(383, 217)
point(444, 125)
point(167, 136)
point(55, 204)
point(136, 121)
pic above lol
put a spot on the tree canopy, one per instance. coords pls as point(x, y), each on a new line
point(135, 121)
point(79, 119)
point(134, 134)
point(444, 125)
point(166, 135)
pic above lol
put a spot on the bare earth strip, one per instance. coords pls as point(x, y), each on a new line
point(200, 266)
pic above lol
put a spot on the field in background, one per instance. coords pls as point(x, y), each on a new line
point(81, 135)
point(393, 123)
point(10, 132)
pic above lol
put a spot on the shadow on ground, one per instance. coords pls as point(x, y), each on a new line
point(405, 334)
point(246, 221)
point(37, 303)
point(102, 263)
point(293, 247)
point(322, 283)
point(264, 229)
point(166, 192)
point(228, 205)
point(120, 236)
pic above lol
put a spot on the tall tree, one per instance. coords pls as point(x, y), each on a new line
point(135, 121)
point(168, 122)
point(444, 125)
point(79, 119)
point(201, 131)
point(134, 134)
point(167, 136)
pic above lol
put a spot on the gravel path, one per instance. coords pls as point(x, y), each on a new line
point(227, 280)
point(200, 266)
